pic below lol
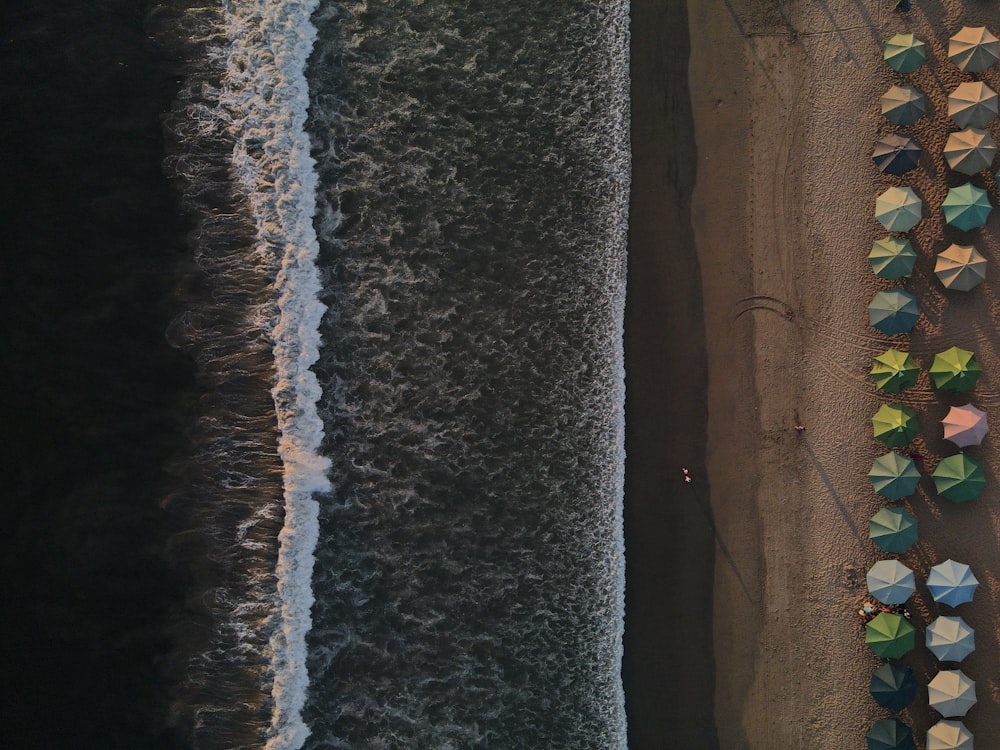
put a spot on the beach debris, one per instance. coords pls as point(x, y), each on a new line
point(969, 151)
point(896, 154)
point(893, 530)
point(952, 583)
point(892, 257)
point(904, 53)
point(959, 478)
point(972, 104)
point(951, 693)
point(889, 635)
point(949, 735)
point(965, 425)
point(894, 476)
point(895, 425)
point(894, 371)
point(893, 686)
point(890, 734)
point(898, 209)
point(890, 582)
point(903, 105)
point(960, 267)
point(955, 370)
point(973, 49)
point(966, 207)
point(950, 638)
point(893, 311)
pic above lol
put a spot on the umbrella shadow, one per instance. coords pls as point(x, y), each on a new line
point(848, 517)
point(706, 511)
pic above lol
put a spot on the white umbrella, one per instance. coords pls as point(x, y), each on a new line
point(949, 735)
point(890, 582)
point(951, 693)
point(972, 104)
point(950, 638)
point(965, 425)
point(969, 151)
point(973, 49)
point(960, 267)
point(952, 583)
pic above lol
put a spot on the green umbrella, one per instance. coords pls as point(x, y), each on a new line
point(894, 371)
point(960, 267)
point(967, 151)
point(890, 734)
point(898, 209)
point(973, 49)
point(889, 635)
point(894, 476)
point(893, 311)
point(955, 370)
point(904, 53)
point(893, 686)
point(966, 207)
point(892, 257)
point(903, 105)
point(893, 530)
point(895, 425)
point(972, 105)
point(959, 478)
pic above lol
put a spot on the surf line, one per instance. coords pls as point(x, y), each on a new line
point(265, 97)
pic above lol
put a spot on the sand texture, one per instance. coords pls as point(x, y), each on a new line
point(785, 100)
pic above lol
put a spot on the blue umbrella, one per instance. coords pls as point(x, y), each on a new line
point(952, 583)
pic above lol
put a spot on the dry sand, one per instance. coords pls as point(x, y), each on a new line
point(785, 113)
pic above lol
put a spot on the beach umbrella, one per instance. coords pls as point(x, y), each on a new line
point(894, 476)
point(959, 478)
point(894, 371)
point(967, 151)
point(949, 735)
point(950, 638)
point(965, 207)
point(895, 425)
point(890, 581)
point(893, 530)
point(952, 583)
point(951, 693)
point(892, 257)
point(965, 425)
point(973, 49)
point(898, 209)
point(890, 734)
point(904, 53)
point(903, 105)
point(897, 154)
point(972, 104)
point(893, 686)
point(960, 267)
point(890, 636)
point(955, 370)
point(893, 311)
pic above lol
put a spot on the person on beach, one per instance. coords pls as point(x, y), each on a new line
point(867, 611)
point(686, 473)
point(800, 428)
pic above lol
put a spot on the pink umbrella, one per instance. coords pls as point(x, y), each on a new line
point(965, 425)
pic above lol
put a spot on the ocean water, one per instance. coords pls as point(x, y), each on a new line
point(388, 483)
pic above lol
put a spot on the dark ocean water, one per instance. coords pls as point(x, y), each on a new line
point(317, 372)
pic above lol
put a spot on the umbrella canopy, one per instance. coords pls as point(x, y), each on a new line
point(894, 371)
point(897, 154)
point(951, 693)
point(892, 257)
point(949, 735)
point(952, 583)
point(966, 207)
point(967, 151)
point(955, 370)
point(972, 104)
point(903, 105)
point(893, 311)
point(950, 638)
point(965, 425)
point(904, 53)
point(889, 636)
point(973, 49)
point(893, 686)
point(895, 425)
point(890, 734)
point(898, 209)
point(960, 267)
point(959, 478)
point(890, 581)
point(893, 530)
point(894, 476)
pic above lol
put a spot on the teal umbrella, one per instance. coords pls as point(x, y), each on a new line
point(894, 476)
point(893, 686)
point(949, 735)
point(895, 425)
point(893, 530)
point(893, 311)
point(898, 209)
point(903, 105)
point(904, 53)
point(959, 478)
point(890, 734)
point(952, 583)
point(966, 207)
point(955, 370)
point(892, 257)
point(950, 638)
point(894, 371)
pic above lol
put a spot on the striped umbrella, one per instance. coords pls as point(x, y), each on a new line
point(904, 53)
point(951, 693)
point(894, 371)
point(973, 49)
point(972, 104)
point(967, 151)
point(950, 638)
point(960, 267)
point(959, 478)
point(892, 257)
point(893, 530)
point(952, 583)
point(965, 207)
point(949, 735)
point(898, 209)
point(965, 425)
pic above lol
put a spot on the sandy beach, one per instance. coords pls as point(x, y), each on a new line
point(763, 188)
